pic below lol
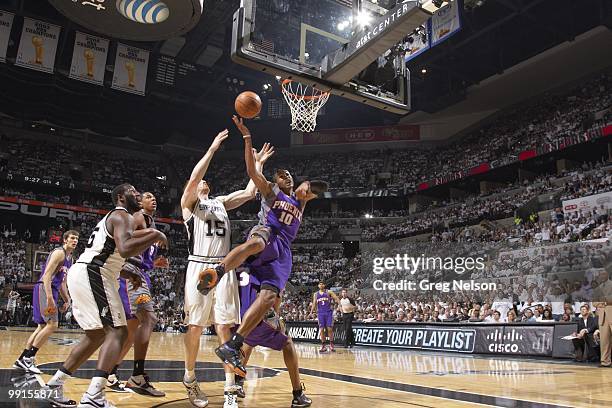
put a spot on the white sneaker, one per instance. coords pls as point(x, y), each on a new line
point(115, 385)
point(96, 401)
point(27, 364)
point(231, 398)
point(55, 395)
point(196, 396)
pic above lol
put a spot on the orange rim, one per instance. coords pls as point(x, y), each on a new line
point(305, 97)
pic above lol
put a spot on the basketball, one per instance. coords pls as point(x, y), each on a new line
point(248, 104)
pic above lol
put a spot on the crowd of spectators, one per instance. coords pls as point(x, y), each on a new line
point(545, 120)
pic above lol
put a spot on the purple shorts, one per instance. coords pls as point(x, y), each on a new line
point(267, 336)
point(134, 300)
point(273, 265)
point(39, 304)
point(326, 319)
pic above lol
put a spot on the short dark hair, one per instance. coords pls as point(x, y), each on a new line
point(68, 233)
point(119, 190)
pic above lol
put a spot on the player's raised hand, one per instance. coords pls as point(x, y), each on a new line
point(265, 153)
point(219, 139)
point(241, 126)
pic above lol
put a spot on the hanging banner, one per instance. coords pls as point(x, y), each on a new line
point(417, 42)
point(38, 45)
point(445, 22)
point(131, 66)
point(6, 23)
point(89, 58)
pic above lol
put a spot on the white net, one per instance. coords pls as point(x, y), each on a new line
point(305, 102)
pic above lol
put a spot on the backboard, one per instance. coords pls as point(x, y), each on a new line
point(351, 48)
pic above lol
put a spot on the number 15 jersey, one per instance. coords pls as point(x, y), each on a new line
point(208, 229)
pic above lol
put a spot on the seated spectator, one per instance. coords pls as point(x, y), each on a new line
point(584, 345)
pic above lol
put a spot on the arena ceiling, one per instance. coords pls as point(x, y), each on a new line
point(497, 35)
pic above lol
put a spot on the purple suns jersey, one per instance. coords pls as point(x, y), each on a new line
point(323, 302)
point(61, 270)
point(283, 214)
point(145, 260)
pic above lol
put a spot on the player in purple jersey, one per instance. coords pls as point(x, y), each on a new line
point(279, 221)
point(138, 306)
point(45, 300)
point(270, 333)
point(321, 301)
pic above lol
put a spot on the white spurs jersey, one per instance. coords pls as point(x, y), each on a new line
point(208, 229)
point(101, 253)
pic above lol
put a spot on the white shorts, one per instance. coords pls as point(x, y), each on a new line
point(95, 297)
point(220, 306)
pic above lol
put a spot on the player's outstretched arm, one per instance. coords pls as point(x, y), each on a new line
point(237, 198)
point(309, 190)
point(129, 242)
point(335, 297)
point(189, 197)
point(263, 185)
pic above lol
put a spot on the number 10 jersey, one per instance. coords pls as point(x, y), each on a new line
point(208, 229)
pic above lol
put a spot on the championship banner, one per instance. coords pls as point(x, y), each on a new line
point(537, 339)
point(360, 135)
point(417, 42)
point(131, 65)
point(6, 23)
point(89, 58)
point(38, 45)
point(588, 203)
point(445, 22)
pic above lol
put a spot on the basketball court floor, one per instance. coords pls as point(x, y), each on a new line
point(356, 378)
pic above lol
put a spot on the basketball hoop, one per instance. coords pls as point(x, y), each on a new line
point(305, 102)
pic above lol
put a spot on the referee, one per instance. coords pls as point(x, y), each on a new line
point(348, 313)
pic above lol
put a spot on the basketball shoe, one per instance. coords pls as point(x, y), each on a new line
point(115, 385)
point(232, 357)
point(55, 396)
point(97, 401)
point(196, 396)
point(300, 400)
point(28, 364)
point(140, 384)
point(230, 396)
point(240, 386)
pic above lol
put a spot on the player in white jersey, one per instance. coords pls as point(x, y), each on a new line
point(209, 230)
point(92, 283)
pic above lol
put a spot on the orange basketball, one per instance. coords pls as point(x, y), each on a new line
point(248, 104)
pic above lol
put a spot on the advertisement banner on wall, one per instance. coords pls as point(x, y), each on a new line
point(603, 200)
point(89, 58)
point(533, 340)
point(361, 135)
point(6, 23)
point(131, 65)
point(38, 45)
